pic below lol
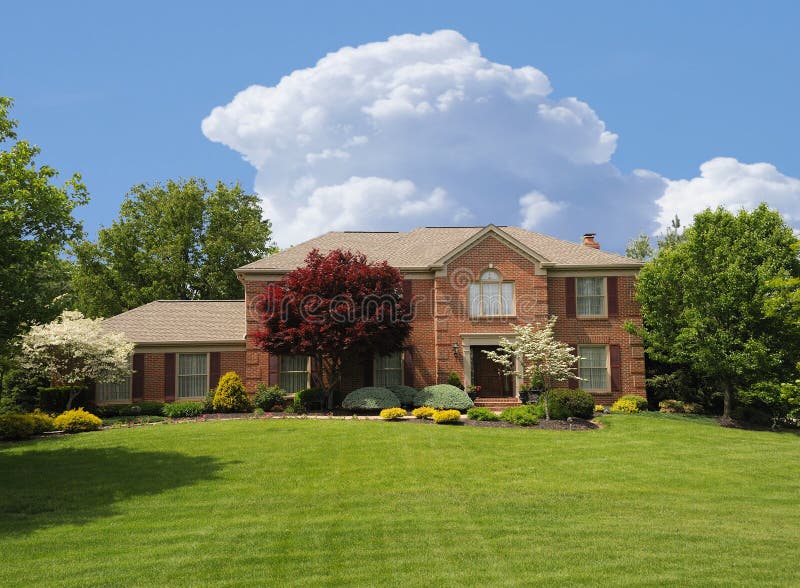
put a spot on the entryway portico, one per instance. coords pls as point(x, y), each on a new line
point(479, 370)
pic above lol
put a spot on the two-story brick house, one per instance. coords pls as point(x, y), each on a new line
point(466, 284)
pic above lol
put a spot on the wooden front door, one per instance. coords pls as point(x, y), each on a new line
point(488, 375)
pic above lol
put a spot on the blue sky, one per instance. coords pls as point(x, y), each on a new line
point(119, 93)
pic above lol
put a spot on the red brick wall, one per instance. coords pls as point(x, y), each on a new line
point(604, 331)
point(256, 361)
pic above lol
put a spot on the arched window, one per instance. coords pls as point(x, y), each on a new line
point(491, 296)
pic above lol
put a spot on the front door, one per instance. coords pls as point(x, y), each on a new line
point(488, 375)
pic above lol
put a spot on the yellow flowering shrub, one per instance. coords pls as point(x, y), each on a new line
point(423, 412)
point(446, 416)
point(230, 395)
point(77, 420)
point(389, 414)
point(599, 408)
point(630, 403)
point(42, 421)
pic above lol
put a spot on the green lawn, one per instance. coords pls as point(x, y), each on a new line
point(649, 500)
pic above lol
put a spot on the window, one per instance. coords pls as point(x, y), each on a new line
point(491, 296)
point(593, 367)
point(192, 375)
point(591, 296)
point(294, 373)
point(114, 392)
point(389, 369)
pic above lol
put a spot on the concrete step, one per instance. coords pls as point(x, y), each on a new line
point(497, 404)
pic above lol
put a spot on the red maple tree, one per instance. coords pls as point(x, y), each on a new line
point(336, 308)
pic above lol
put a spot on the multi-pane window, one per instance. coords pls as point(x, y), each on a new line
point(491, 296)
point(114, 392)
point(389, 369)
point(593, 367)
point(591, 296)
point(192, 375)
point(294, 373)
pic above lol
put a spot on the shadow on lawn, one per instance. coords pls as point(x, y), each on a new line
point(72, 486)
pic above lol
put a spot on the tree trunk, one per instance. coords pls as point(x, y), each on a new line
point(72, 396)
point(546, 405)
point(727, 395)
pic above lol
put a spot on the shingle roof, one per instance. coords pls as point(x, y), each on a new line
point(423, 247)
point(182, 321)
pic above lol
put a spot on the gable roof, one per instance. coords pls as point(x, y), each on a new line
point(183, 321)
point(425, 248)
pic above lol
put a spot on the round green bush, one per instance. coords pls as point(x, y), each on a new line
point(267, 398)
point(77, 420)
point(524, 416)
point(567, 402)
point(370, 398)
point(443, 396)
point(481, 413)
point(230, 395)
point(405, 394)
point(16, 426)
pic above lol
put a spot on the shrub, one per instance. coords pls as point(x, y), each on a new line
point(423, 412)
point(524, 416)
point(405, 394)
point(42, 422)
point(77, 420)
point(135, 409)
point(54, 399)
point(670, 406)
point(565, 403)
point(370, 398)
point(389, 414)
point(267, 398)
point(599, 408)
point(230, 395)
point(208, 403)
point(21, 390)
point(481, 413)
point(306, 399)
point(258, 411)
point(16, 426)
point(443, 397)
point(441, 417)
point(179, 410)
point(630, 403)
point(454, 380)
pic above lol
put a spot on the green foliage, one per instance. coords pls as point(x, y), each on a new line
point(781, 401)
point(77, 420)
point(678, 406)
point(523, 416)
point(390, 414)
point(405, 394)
point(177, 240)
point(268, 397)
point(56, 398)
point(16, 426)
point(230, 395)
point(124, 410)
point(639, 248)
point(423, 412)
point(37, 224)
point(443, 396)
point(20, 390)
point(630, 403)
point(481, 413)
point(566, 402)
point(370, 398)
point(308, 399)
point(704, 299)
point(443, 417)
point(208, 402)
point(180, 410)
point(454, 380)
point(42, 422)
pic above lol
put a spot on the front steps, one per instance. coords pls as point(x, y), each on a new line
point(497, 404)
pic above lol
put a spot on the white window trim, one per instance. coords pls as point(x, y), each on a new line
point(179, 398)
point(402, 368)
point(499, 283)
point(608, 367)
point(604, 314)
point(282, 371)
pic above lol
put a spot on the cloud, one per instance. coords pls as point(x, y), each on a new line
point(724, 181)
point(424, 130)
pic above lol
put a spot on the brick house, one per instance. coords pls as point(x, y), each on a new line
point(466, 285)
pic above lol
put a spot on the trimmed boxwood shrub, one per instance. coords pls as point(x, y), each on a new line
point(77, 420)
point(567, 402)
point(441, 417)
point(16, 426)
point(180, 410)
point(54, 399)
point(481, 413)
point(629, 403)
point(42, 422)
point(135, 409)
point(423, 412)
point(389, 414)
point(268, 398)
point(524, 416)
point(308, 398)
point(370, 398)
point(443, 396)
point(230, 395)
point(405, 394)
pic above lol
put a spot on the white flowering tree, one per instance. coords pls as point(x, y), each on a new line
point(536, 355)
point(73, 350)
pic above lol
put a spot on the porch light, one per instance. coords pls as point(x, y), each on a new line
point(455, 349)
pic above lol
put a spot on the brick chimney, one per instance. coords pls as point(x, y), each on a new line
point(588, 240)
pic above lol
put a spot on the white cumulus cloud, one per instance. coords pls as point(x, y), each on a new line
point(425, 130)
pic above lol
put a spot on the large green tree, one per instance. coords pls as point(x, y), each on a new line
point(703, 299)
point(172, 240)
point(36, 224)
